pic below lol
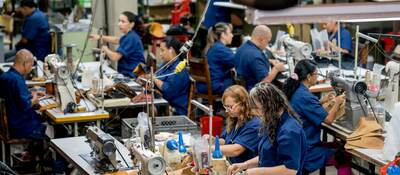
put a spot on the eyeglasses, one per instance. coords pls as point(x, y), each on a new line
point(229, 108)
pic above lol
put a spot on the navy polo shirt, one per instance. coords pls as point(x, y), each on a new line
point(36, 30)
point(246, 136)
point(312, 114)
point(22, 119)
point(131, 49)
point(220, 61)
point(251, 64)
point(175, 88)
point(288, 148)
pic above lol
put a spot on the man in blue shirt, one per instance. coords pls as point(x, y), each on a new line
point(35, 30)
point(23, 121)
point(346, 45)
point(251, 64)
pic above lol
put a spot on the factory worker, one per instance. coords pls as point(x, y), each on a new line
point(346, 46)
point(219, 57)
point(174, 88)
point(251, 64)
point(283, 145)
point(130, 51)
point(240, 139)
point(311, 111)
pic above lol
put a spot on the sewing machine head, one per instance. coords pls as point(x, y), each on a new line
point(150, 163)
point(355, 108)
point(103, 149)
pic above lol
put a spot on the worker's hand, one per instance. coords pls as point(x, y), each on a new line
point(340, 99)
point(94, 37)
point(104, 48)
point(236, 168)
point(206, 136)
point(327, 97)
point(35, 98)
point(280, 67)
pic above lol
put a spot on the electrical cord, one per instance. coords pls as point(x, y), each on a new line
point(119, 152)
point(373, 111)
point(359, 101)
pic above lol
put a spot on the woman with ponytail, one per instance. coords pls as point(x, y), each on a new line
point(219, 57)
point(311, 111)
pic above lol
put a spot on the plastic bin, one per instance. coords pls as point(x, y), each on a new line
point(163, 124)
point(216, 128)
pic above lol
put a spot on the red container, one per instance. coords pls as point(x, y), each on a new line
point(216, 128)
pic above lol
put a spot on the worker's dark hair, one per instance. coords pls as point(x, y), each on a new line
point(271, 102)
point(172, 42)
point(27, 3)
point(131, 16)
point(301, 71)
point(214, 34)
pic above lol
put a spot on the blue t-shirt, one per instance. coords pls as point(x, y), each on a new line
point(131, 49)
point(36, 30)
point(22, 119)
point(288, 148)
point(312, 114)
point(251, 64)
point(220, 61)
point(175, 88)
point(247, 136)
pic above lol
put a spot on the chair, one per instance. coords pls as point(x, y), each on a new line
point(200, 72)
point(8, 23)
point(5, 135)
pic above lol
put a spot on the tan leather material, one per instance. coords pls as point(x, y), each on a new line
point(367, 135)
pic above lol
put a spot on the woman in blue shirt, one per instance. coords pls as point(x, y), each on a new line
point(240, 139)
point(283, 145)
point(130, 51)
point(310, 111)
point(219, 57)
point(174, 88)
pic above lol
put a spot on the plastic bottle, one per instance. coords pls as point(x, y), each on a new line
point(217, 154)
point(181, 145)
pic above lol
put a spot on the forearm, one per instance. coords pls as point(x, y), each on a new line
point(114, 56)
point(110, 39)
point(331, 114)
point(232, 150)
point(271, 75)
point(252, 163)
point(276, 170)
point(158, 83)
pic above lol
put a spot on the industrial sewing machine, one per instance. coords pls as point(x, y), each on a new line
point(149, 162)
point(103, 156)
point(64, 91)
point(355, 106)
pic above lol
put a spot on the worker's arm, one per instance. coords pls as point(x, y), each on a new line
point(232, 150)
point(114, 56)
point(21, 42)
point(107, 39)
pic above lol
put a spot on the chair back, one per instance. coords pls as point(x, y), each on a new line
point(4, 135)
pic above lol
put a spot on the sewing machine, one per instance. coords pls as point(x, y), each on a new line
point(355, 108)
point(392, 89)
point(103, 155)
point(65, 92)
point(149, 162)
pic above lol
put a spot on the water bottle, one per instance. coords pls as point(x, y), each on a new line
point(217, 154)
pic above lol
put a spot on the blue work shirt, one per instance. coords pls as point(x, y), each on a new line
point(345, 39)
point(36, 30)
point(175, 88)
point(131, 49)
point(220, 61)
point(289, 147)
point(22, 119)
point(312, 114)
point(251, 64)
point(247, 136)
point(216, 14)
